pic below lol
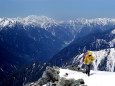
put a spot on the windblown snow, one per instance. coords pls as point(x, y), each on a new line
point(97, 78)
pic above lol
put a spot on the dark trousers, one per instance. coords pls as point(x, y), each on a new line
point(88, 69)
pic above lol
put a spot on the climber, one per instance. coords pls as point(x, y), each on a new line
point(88, 60)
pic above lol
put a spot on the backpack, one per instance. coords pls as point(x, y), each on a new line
point(84, 57)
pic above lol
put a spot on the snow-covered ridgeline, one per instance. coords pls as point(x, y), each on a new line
point(99, 21)
point(113, 32)
point(41, 21)
point(99, 42)
point(112, 43)
point(97, 78)
point(46, 22)
point(107, 56)
point(7, 22)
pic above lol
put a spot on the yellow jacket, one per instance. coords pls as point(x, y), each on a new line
point(88, 59)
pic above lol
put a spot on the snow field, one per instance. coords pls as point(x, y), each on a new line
point(97, 78)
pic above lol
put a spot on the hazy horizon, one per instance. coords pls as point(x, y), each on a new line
point(58, 9)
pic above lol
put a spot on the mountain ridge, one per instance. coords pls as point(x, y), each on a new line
point(40, 41)
point(46, 22)
point(91, 42)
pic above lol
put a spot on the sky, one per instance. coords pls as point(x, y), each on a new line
point(58, 9)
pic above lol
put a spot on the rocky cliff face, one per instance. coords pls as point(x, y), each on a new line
point(51, 77)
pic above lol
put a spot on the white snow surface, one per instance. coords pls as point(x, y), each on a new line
point(33, 20)
point(46, 22)
point(99, 21)
point(97, 78)
point(112, 43)
point(99, 56)
point(113, 31)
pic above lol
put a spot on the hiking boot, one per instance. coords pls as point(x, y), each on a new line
point(88, 74)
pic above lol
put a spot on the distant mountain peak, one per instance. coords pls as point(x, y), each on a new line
point(41, 21)
point(100, 21)
point(46, 22)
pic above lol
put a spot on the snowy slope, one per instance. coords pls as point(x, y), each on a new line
point(97, 78)
point(92, 24)
point(46, 22)
point(100, 21)
point(104, 59)
point(41, 21)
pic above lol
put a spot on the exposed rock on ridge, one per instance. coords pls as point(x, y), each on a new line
point(51, 77)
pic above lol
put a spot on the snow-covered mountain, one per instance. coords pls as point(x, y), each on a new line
point(41, 21)
point(60, 77)
point(104, 60)
point(46, 22)
point(40, 38)
point(72, 28)
point(97, 78)
point(28, 40)
point(98, 23)
point(102, 44)
point(58, 29)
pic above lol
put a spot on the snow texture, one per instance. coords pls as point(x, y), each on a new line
point(46, 22)
point(113, 31)
point(41, 21)
point(99, 56)
point(97, 78)
point(112, 43)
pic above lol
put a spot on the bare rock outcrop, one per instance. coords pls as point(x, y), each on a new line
point(51, 77)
